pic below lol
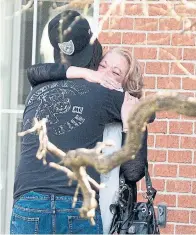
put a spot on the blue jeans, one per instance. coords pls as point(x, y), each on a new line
point(36, 213)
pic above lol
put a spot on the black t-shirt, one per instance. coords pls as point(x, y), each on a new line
point(77, 112)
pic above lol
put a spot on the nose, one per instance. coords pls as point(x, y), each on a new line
point(107, 70)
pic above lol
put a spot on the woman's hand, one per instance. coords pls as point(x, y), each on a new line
point(128, 104)
point(110, 83)
point(102, 79)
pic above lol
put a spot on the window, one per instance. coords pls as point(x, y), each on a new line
point(24, 35)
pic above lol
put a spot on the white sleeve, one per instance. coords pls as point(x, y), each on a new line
point(109, 194)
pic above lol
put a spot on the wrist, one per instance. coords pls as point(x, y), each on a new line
point(69, 72)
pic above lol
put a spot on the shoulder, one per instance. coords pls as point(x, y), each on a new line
point(116, 97)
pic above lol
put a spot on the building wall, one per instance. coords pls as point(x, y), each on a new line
point(157, 41)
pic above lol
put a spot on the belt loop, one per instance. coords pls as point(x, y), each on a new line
point(53, 203)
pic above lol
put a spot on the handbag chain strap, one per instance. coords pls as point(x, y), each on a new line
point(151, 192)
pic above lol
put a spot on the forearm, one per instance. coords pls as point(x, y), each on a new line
point(41, 73)
point(77, 72)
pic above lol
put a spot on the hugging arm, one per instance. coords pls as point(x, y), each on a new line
point(48, 72)
point(40, 73)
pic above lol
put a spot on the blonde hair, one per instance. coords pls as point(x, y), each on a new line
point(133, 82)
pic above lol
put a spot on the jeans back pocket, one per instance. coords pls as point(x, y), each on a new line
point(78, 225)
point(24, 225)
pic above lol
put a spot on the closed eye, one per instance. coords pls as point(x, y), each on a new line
point(102, 66)
point(116, 73)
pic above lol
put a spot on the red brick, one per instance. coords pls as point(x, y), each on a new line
point(194, 161)
point(179, 216)
point(188, 83)
point(193, 217)
point(145, 53)
point(157, 68)
point(188, 142)
point(185, 229)
point(170, 53)
point(180, 127)
point(103, 8)
point(150, 140)
point(105, 24)
point(170, 200)
point(134, 38)
point(159, 184)
point(151, 169)
point(183, 117)
point(189, 54)
point(165, 170)
point(155, 155)
point(110, 38)
point(167, 141)
point(169, 83)
point(133, 9)
point(158, 39)
point(121, 23)
point(169, 229)
point(180, 156)
point(149, 82)
point(194, 187)
point(187, 68)
point(146, 24)
point(142, 66)
point(178, 186)
point(183, 40)
point(187, 171)
point(170, 24)
point(140, 197)
point(118, 10)
point(158, 127)
point(158, 9)
point(187, 201)
point(167, 114)
point(181, 9)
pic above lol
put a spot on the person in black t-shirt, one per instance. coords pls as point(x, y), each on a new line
point(77, 112)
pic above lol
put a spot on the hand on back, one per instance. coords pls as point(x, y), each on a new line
point(127, 107)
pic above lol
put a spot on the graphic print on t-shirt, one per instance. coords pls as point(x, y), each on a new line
point(56, 103)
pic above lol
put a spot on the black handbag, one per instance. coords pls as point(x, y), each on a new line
point(131, 217)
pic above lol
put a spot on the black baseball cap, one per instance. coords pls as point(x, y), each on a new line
point(70, 33)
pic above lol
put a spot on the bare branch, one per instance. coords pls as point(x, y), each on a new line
point(178, 63)
point(28, 5)
point(80, 158)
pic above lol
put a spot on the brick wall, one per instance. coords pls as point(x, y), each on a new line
point(156, 40)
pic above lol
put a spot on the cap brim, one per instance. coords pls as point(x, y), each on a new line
point(80, 59)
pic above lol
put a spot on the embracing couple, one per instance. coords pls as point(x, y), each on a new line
point(86, 98)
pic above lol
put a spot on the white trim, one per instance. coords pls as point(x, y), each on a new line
point(34, 41)
point(11, 151)
point(11, 111)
